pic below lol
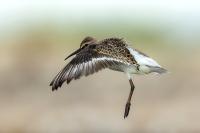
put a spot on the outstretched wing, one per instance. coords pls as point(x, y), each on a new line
point(86, 62)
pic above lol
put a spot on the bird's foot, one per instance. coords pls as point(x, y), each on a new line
point(127, 109)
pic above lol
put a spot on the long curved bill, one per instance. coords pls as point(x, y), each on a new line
point(75, 52)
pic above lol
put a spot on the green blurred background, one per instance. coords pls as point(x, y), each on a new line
point(36, 36)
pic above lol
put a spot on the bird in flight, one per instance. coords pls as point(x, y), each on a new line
point(112, 53)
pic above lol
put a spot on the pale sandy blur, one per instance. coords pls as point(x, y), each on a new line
point(32, 51)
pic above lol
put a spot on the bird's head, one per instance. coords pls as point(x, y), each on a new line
point(87, 41)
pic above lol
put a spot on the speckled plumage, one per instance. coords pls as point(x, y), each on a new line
point(116, 48)
point(111, 53)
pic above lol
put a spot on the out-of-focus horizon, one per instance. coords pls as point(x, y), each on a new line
point(36, 36)
point(175, 19)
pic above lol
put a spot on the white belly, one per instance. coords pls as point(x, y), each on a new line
point(142, 70)
point(131, 69)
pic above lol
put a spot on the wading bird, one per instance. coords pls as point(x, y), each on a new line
point(112, 53)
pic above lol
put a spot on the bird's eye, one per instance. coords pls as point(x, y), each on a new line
point(84, 46)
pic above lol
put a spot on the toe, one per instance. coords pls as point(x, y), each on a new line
point(127, 109)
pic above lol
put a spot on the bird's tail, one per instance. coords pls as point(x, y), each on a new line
point(159, 70)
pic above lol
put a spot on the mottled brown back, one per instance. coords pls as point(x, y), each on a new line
point(115, 48)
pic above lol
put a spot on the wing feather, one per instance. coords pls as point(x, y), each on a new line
point(85, 63)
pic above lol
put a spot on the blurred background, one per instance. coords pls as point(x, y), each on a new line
point(36, 36)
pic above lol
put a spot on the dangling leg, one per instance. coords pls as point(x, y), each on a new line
point(128, 104)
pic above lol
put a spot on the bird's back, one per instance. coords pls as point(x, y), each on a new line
point(115, 48)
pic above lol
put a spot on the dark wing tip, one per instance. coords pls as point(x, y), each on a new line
point(60, 79)
point(69, 80)
point(51, 83)
point(56, 83)
point(54, 87)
